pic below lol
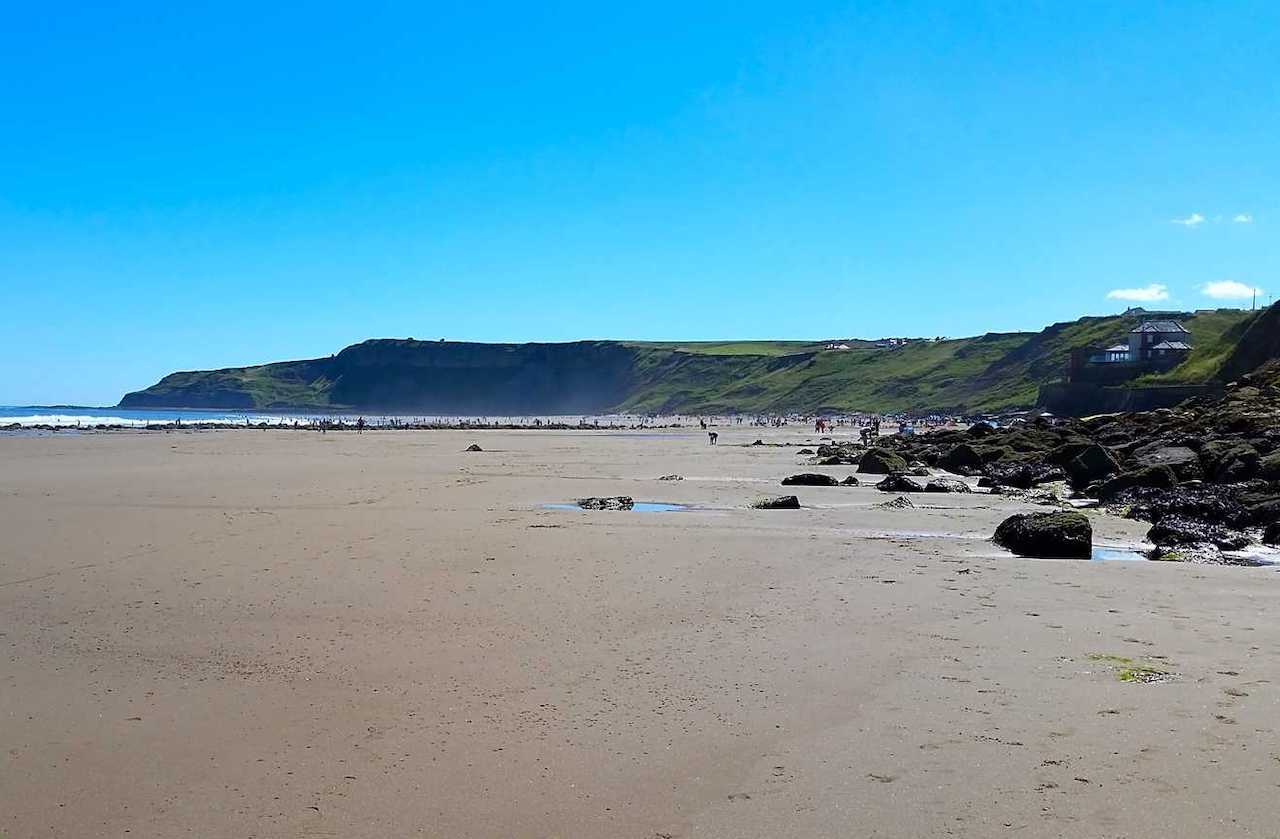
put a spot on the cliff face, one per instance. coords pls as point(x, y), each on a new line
point(989, 372)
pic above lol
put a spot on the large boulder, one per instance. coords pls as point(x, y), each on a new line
point(900, 483)
point(810, 479)
point(1179, 530)
point(1229, 462)
point(963, 459)
point(1269, 467)
point(1066, 534)
point(778, 502)
point(1184, 462)
point(1092, 464)
point(1023, 475)
point(947, 485)
point(981, 429)
point(1271, 535)
point(879, 461)
point(1265, 512)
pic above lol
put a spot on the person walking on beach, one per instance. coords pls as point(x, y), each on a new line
point(360, 425)
point(712, 437)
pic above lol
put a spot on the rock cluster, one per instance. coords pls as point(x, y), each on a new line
point(1211, 467)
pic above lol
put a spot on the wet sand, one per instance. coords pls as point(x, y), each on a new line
point(287, 634)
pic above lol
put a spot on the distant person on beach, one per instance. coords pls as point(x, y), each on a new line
point(712, 436)
point(360, 425)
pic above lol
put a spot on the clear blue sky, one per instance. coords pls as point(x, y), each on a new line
point(185, 188)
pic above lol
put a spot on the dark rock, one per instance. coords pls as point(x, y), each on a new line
point(810, 451)
point(1152, 476)
point(1061, 534)
point(671, 478)
point(1092, 464)
point(900, 483)
point(810, 479)
point(1208, 502)
point(850, 481)
point(1265, 512)
point(919, 472)
point(1178, 530)
point(473, 448)
point(986, 482)
point(1065, 453)
point(612, 502)
point(947, 485)
point(1229, 462)
point(981, 429)
point(881, 462)
point(962, 459)
point(1271, 535)
point(1023, 475)
point(778, 502)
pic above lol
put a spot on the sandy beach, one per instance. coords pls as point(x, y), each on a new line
point(288, 634)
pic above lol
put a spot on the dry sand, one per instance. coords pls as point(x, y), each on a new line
point(283, 634)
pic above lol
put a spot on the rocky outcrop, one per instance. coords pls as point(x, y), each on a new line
point(947, 485)
point(900, 483)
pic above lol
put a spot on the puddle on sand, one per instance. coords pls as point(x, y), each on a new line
point(1101, 553)
point(637, 507)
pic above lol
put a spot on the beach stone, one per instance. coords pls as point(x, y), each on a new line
point(879, 461)
point(1064, 534)
point(474, 448)
point(671, 478)
point(778, 502)
point(1271, 535)
point(1265, 512)
point(1228, 462)
point(850, 481)
point(899, 503)
point(613, 502)
point(947, 485)
point(981, 429)
point(900, 483)
point(1269, 467)
point(810, 479)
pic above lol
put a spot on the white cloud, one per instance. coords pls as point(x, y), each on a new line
point(1147, 294)
point(1193, 220)
point(1229, 290)
point(1243, 218)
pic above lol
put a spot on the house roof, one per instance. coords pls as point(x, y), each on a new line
point(1160, 326)
point(1118, 348)
point(1172, 345)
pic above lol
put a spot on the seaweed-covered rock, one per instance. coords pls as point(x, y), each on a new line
point(778, 502)
point(947, 485)
point(1269, 467)
point(900, 483)
point(1209, 502)
point(1229, 462)
point(810, 479)
point(1178, 530)
point(962, 459)
point(1065, 534)
point(849, 481)
point(1150, 476)
point(1265, 512)
point(1271, 535)
point(981, 429)
point(880, 461)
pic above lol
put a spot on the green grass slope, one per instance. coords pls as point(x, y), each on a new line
point(985, 373)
